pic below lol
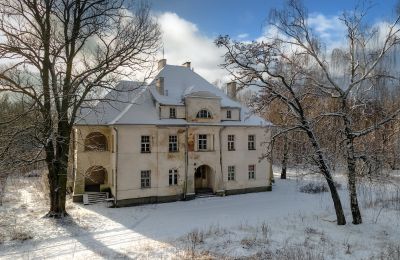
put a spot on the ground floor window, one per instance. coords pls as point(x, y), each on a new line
point(145, 179)
point(252, 172)
point(173, 177)
point(231, 173)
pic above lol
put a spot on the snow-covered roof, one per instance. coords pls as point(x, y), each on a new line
point(132, 103)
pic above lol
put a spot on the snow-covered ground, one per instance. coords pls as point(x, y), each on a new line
point(284, 224)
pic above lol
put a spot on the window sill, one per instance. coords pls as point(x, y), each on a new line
point(145, 152)
point(201, 151)
point(173, 151)
point(145, 188)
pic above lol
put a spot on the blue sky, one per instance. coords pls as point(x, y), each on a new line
point(234, 17)
point(190, 27)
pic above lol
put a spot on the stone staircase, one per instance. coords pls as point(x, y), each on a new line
point(94, 197)
point(204, 193)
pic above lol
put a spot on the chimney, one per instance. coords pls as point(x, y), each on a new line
point(186, 64)
point(162, 63)
point(231, 90)
point(160, 85)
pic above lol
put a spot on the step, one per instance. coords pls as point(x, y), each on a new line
point(94, 197)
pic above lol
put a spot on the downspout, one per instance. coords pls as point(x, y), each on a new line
point(186, 162)
point(220, 156)
point(116, 166)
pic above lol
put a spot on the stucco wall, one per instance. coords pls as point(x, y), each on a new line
point(235, 114)
point(164, 111)
point(195, 104)
point(86, 159)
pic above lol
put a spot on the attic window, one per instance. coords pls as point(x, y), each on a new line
point(228, 114)
point(203, 114)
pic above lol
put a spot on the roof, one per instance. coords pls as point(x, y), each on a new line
point(133, 103)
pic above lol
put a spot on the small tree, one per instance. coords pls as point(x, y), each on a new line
point(63, 53)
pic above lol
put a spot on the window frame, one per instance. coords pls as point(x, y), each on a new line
point(173, 177)
point(204, 113)
point(231, 173)
point(172, 112)
point(202, 142)
point(145, 145)
point(145, 179)
point(251, 172)
point(251, 144)
point(231, 142)
point(229, 114)
point(173, 144)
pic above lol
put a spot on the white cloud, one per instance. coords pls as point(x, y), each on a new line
point(243, 35)
point(330, 29)
point(184, 42)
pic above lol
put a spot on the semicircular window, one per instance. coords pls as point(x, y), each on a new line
point(95, 141)
point(204, 113)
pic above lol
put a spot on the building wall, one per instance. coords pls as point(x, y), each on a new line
point(164, 111)
point(126, 160)
point(86, 159)
point(195, 104)
point(235, 114)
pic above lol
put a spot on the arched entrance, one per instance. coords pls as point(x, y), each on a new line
point(203, 179)
point(94, 177)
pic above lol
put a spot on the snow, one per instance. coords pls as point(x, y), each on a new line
point(232, 226)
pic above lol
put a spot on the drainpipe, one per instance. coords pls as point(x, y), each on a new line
point(220, 155)
point(186, 162)
point(116, 166)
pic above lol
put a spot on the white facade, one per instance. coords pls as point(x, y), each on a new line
point(174, 138)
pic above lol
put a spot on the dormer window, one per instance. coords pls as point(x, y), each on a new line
point(204, 113)
point(172, 112)
point(228, 114)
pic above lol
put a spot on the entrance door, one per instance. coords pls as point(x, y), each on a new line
point(202, 180)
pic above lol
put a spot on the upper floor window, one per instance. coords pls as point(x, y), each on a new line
point(96, 141)
point(228, 114)
point(145, 179)
point(252, 172)
point(231, 142)
point(204, 113)
point(251, 142)
point(172, 112)
point(173, 177)
point(145, 144)
point(202, 142)
point(173, 143)
point(231, 173)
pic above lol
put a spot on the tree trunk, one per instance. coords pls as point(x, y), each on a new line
point(285, 157)
point(58, 166)
point(341, 219)
point(351, 175)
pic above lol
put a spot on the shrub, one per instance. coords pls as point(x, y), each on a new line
point(314, 187)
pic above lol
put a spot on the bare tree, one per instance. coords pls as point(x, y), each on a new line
point(61, 54)
point(309, 79)
point(267, 66)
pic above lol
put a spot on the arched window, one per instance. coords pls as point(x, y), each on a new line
point(204, 113)
point(96, 141)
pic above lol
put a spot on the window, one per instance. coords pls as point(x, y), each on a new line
point(228, 114)
point(145, 145)
point(172, 112)
point(231, 143)
point(173, 177)
point(231, 173)
point(251, 142)
point(145, 179)
point(252, 172)
point(203, 114)
point(173, 143)
point(202, 142)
